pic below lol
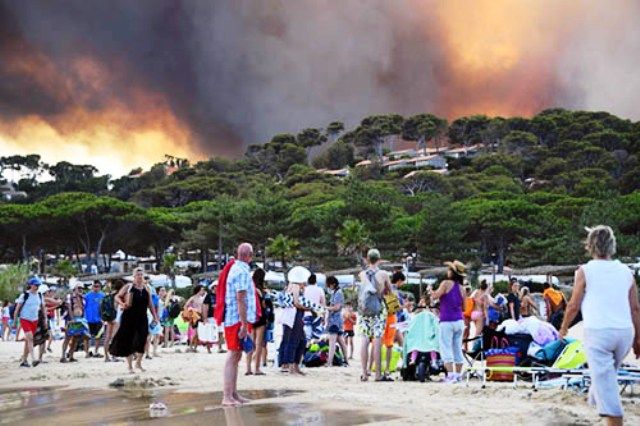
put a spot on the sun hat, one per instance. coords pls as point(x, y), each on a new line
point(43, 289)
point(457, 267)
point(298, 274)
point(34, 281)
point(77, 284)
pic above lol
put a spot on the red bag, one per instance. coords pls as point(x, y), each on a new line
point(221, 293)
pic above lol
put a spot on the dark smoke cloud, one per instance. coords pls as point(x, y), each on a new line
point(238, 71)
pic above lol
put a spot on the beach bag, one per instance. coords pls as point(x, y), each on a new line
point(174, 310)
point(107, 309)
point(207, 333)
point(314, 359)
point(392, 303)
point(396, 357)
point(573, 356)
point(503, 358)
point(521, 343)
point(370, 302)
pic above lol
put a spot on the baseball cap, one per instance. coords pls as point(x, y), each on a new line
point(34, 281)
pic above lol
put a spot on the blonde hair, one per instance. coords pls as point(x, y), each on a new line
point(600, 242)
point(169, 295)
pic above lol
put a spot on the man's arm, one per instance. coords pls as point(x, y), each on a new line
point(16, 313)
point(574, 304)
point(635, 316)
point(241, 298)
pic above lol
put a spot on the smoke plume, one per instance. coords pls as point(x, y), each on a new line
point(121, 83)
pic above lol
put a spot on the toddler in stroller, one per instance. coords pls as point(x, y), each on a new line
point(420, 350)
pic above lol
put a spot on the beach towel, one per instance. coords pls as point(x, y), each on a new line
point(285, 300)
point(78, 327)
point(221, 293)
point(423, 333)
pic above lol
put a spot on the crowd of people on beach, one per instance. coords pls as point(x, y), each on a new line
point(131, 320)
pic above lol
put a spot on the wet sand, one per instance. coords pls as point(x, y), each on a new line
point(190, 384)
point(47, 406)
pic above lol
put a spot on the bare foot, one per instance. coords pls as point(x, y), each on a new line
point(230, 402)
point(241, 399)
point(131, 371)
point(139, 367)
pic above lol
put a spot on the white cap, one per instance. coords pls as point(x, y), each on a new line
point(43, 289)
point(77, 284)
point(298, 274)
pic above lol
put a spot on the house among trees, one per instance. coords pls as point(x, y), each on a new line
point(9, 193)
point(341, 173)
point(470, 151)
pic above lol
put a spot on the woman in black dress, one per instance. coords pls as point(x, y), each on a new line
point(131, 336)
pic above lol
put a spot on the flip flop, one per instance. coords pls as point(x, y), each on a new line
point(364, 378)
point(260, 374)
point(248, 373)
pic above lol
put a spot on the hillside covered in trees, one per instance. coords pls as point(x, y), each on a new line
point(524, 199)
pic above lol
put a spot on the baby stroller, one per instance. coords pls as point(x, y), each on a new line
point(420, 348)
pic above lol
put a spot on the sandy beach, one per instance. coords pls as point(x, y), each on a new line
point(324, 396)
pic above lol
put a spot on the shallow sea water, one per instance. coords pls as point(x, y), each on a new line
point(59, 406)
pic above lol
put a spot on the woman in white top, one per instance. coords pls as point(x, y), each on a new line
point(605, 291)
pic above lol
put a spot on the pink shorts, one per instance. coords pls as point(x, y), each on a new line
point(476, 315)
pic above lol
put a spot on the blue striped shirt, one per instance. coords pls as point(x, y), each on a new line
point(239, 279)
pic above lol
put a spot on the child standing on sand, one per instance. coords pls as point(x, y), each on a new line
point(349, 318)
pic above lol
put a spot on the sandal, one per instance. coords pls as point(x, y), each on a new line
point(260, 373)
point(248, 373)
point(364, 378)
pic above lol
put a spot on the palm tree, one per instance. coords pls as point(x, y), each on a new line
point(353, 239)
point(169, 267)
point(283, 248)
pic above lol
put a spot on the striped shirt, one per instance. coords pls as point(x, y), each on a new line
point(239, 279)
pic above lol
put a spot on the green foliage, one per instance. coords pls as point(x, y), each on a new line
point(12, 280)
point(523, 200)
point(353, 238)
point(282, 248)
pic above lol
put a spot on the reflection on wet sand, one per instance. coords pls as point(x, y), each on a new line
point(35, 406)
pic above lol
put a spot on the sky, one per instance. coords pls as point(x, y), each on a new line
point(119, 84)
